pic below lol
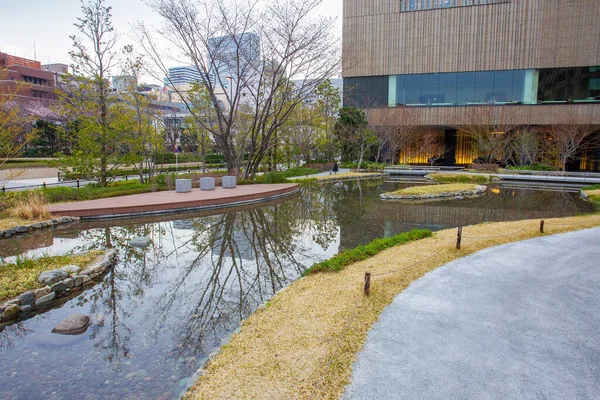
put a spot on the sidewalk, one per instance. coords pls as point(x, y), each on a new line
point(326, 173)
point(518, 321)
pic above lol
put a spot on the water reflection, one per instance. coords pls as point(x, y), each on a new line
point(164, 308)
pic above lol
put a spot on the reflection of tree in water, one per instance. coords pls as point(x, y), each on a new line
point(225, 267)
point(128, 279)
point(12, 333)
point(246, 258)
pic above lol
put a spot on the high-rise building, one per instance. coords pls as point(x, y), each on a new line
point(434, 63)
point(183, 75)
point(233, 58)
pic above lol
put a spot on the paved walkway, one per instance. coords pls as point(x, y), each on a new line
point(518, 321)
point(170, 201)
point(326, 173)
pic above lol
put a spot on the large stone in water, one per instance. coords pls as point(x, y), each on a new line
point(51, 277)
point(74, 324)
point(140, 242)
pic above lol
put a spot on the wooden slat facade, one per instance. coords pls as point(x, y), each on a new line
point(378, 39)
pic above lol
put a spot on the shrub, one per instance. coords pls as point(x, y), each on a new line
point(532, 167)
point(338, 262)
point(460, 178)
point(274, 177)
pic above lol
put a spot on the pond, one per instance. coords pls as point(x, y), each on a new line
point(163, 310)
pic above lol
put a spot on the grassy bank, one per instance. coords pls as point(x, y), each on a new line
point(593, 193)
point(21, 276)
point(340, 261)
point(304, 343)
point(434, 189)
point(443, 177)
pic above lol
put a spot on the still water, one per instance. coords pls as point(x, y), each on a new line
point(162, 310)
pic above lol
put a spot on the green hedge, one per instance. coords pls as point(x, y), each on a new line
point(338, 262)
point(533, 167)
point(366, 165)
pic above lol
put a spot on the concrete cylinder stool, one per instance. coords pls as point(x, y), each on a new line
point(229, 182)
point(207, 183)
point(183, 185)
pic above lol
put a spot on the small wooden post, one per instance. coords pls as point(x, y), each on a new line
point(44, 184)
point(77, 183)
point(126, 176)
point(3, 189)
point(367, 286)
point(458, 237)
point(542, 226)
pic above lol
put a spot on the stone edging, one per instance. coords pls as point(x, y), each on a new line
point(37, 226)
point(352, 178)
point(41, 300)
point(479, 190)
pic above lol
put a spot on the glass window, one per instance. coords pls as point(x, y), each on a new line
point(430, 85)
point(465, 87)
point(413, 89)
point(484, 87)
point(447, 92)
point(503, 86)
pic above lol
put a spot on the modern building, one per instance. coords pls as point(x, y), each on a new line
point(25, 78)
point(439, 63)
point(183, 75)
point(233, 57)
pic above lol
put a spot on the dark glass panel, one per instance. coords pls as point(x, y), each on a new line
point(413, 89)
point(484, 87)
point(364, 92)
point(518, 86)
point(400, 90)
point(430, 85)
point(465, 87)
point(448, 88)
point(503, 86)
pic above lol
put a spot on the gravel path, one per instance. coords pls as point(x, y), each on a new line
point(518, 321)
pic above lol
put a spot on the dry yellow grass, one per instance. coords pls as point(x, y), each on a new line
point(10, 222)
point(32, 208)
point(21, 276)
point(434, 189)
point(346, 175)
point(283, 351)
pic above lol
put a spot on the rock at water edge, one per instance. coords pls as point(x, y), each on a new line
point(51, 277)
point(27, 298)
point(11, 312)
point(71, 269)
point(74, 324)
point(45, 300)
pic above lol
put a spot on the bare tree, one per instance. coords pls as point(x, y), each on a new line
point(257, 61)
point(487, 129)
point(525, 146)
point(569, 139)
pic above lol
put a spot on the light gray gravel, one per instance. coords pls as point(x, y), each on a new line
point(518, 321)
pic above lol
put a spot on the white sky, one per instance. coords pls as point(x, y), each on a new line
point(49, 23)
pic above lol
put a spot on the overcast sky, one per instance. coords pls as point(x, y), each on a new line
point(49, 23)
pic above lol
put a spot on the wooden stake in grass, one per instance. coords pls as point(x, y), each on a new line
point(367, 287)
point(458, 237)
point(542, 226)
